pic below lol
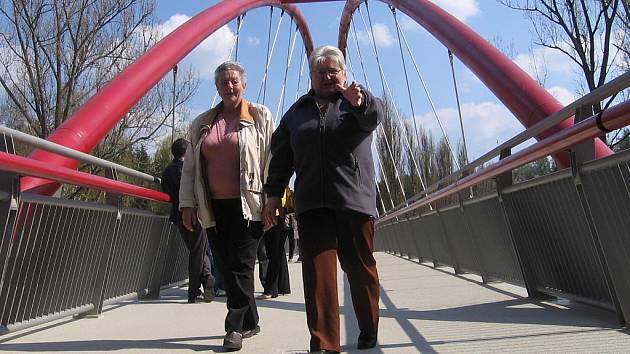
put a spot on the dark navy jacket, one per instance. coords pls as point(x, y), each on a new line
point(171, 177)
point(330, 154)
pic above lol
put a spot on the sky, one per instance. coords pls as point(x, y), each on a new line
point(486, 121)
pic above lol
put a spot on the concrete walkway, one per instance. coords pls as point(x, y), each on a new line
point(422, 310)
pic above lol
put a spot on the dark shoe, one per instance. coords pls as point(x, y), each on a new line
point(192, 298)
point(208, 289)
point(324, 351)
point(251, 332)
point(366, 341)
point(233, 341)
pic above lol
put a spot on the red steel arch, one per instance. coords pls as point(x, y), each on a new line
point(99, 115)
point(523, 96)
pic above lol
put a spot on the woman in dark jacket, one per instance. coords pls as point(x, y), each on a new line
point(325, 138)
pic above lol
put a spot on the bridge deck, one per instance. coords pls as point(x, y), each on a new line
point(422, 310)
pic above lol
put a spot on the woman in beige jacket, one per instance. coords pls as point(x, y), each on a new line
point(221, 188)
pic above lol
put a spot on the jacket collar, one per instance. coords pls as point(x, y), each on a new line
point(245, 115)
point(339, 103)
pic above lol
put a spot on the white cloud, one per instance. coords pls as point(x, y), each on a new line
point(210, 53)
point(562, 94)
point(253, 41)
point(486, 124)
point(382, 36)
point(462, 9)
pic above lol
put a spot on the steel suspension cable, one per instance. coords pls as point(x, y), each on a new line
point(234, 45)
point(426, 90)
point(459, 108)
point(286, 72)
point(380, 128)
point(239, 19)
point(297, 90)
point(263, 87)
point(385, 84)
point(404, 64)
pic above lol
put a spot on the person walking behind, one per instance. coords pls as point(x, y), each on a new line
point(199, 264)
point(325, 137)
point(277, 277)
point(222, 190)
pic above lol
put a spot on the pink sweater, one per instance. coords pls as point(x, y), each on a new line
point(221, 151)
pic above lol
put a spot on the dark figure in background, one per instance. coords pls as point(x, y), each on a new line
point(199, 266)
point(277, 277)
point(289, 231)
point(325, 138)
point(263, 261)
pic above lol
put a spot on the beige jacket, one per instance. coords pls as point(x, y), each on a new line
point(254, 137)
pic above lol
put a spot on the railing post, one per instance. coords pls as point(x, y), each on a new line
point(503, 181)
point(447, 240)
point(104, 262)
point(461, 197)
point(9, 202)
point(160, 255)
point(581, 153)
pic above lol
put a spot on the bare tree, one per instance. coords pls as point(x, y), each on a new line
point(423, 149)
point(56, 54)
point(593, 34)
point(390, 150)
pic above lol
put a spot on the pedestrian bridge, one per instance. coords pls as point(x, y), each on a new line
point(423, 309)
point(475, 262)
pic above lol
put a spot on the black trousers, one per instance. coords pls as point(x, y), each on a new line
point(277, 278)
point(263, 261)
point(291, 238)
point(234, 241)
point(199, 266)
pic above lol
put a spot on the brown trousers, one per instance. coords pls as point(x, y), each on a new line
point(326, 234)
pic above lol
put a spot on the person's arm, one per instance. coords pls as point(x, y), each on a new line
point(280, 166)
point(267, 131)
point(367, 109)
point(279, 172)
point(371, 114)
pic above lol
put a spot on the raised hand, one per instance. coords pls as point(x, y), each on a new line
point(352, 93)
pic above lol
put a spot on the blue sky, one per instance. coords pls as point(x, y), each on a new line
point(486, 121)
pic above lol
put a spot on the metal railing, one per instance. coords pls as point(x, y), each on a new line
point(563, 235)
point(74, 154)
point(609, 89)
point(62, 257)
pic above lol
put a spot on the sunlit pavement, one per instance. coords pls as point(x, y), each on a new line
point(422, 310)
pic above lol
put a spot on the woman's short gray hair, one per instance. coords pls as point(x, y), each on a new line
point(319, 56)
point(231, 65)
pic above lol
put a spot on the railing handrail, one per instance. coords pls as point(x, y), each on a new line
point(613, 118)
point(610, 88)
point(30, 167)
point(74, 154)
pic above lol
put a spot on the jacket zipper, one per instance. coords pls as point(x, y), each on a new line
point(322, 129)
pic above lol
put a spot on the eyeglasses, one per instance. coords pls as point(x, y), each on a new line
point(329, 72)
